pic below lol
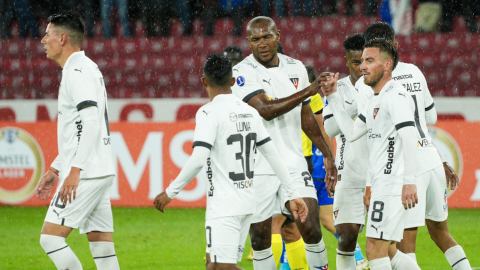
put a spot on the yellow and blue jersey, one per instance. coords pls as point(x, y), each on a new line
point(308, 148)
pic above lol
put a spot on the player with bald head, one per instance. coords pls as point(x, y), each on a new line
point(277, 86)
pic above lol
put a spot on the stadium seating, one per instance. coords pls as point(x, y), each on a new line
point(171, 67)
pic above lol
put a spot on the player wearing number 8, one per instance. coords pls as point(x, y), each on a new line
point(388, 121)
point(84, 160)
point(432, 208)
point(227, 135)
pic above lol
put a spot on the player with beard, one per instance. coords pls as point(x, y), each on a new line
point(433, 177)
point(349, 211)
point(277, 87)
point(388, 121)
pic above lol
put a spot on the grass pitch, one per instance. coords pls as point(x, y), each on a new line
point(148, 239)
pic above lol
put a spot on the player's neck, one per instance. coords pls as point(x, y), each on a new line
point(352, 80)
point(66, 53)
point(385, 79)
point(219, 91)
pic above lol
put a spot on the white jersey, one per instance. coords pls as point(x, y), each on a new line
point(231, 130)
point(82, 86)
point(281, 81)
point(384, 114)
point(413, 81)
point(351, 166)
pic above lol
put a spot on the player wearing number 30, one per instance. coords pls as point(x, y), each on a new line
point(84, 158)
point(388, 121)
point(227, 135)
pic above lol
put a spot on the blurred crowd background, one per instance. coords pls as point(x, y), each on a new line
point(157, 15)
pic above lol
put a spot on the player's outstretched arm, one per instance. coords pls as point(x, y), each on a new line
point(271, 109)
point(46, 184)
point(450, 174)
point(298, 207)
point(190, 170)
point(329, 123)
point(353, 130)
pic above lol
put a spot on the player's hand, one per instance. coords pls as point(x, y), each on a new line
point(46, 184)
point(68, 191)
point(330, 173)
point(452, 177)
point(328, 83)
point(409, 196)
point(366, 197)
point(161, 201)
point(316, 85)
point(299, 209)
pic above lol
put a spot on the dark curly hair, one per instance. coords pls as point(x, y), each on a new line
point(354, 42)
point(218, 70)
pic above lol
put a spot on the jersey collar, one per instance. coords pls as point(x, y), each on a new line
point(72, 57)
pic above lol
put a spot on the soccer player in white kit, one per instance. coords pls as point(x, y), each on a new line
point(349, 211)
point(277, 86)
point(388, 121)
point(228, 133)
point(431, 175)
point(84, 161)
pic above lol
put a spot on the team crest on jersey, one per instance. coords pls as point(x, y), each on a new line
point(375, 112)
point(295, 82)
point(335, 213)
point(325, 267)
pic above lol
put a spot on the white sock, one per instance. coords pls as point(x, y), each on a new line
point(263, 260)
point(402, 262)
point(346, 260)
point(104, 255)
point(457, 259)
point(412, 255)
point(59, 252)
point(316, 255)
point(380, 264)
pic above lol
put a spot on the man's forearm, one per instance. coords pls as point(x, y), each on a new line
point(312, 130)
point(272, 109)
point(328, 139)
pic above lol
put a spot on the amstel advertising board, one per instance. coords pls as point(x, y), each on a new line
point(148, 156)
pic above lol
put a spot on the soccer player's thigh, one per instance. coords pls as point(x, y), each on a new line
point(416, 216)
point(348, 206)
point(266, 188)
point(226, 238)
point(386, 218)
point(101, 218)
point(436, 197)
point(75, 214)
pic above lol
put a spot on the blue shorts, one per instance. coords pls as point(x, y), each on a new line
point(322, 194)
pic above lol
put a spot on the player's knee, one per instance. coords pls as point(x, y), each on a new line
point(51, 242)
point(347, 241)
point(312, 233)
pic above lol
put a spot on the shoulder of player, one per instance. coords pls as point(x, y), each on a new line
point(289, 60)
point(405, 69)
point(245, 66)
point(395, 90)
point(205, 110)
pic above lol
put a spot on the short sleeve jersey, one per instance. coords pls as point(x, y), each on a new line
point(289, 77)
point(82, 86)
point(386, 113)
point(231, 130)
point(414, 82)
point(350, 156)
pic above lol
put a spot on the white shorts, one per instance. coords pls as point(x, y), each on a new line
point(267, 197)
point(305, 187)
point(90, 211)
point(386, 218)
point(432, 199)
point(226, 238)
point(348, 206)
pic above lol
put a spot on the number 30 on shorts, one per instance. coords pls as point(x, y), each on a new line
point(377, 214)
